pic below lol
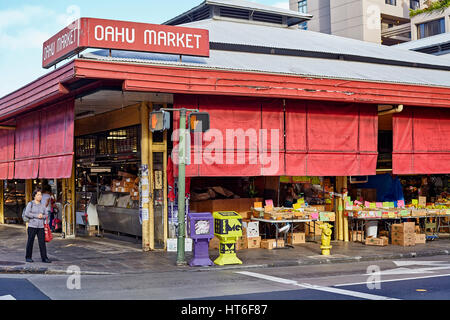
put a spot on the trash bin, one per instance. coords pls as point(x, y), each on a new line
point(227, 228)
point(372, 229)
point(200, 229)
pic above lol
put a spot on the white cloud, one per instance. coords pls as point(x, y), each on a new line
point(29, 26)
point(282, 5)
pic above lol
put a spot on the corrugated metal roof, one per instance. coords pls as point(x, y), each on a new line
point(425, 42)
point(275, 64)
point(260, 7)
point(296, 39)
point(247, 5)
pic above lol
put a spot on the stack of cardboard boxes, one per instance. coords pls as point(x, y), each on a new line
point(421, 238)
point(128, 183)
point(296, 238)
point(250, 236)
point(272, 243)
point(403, 234)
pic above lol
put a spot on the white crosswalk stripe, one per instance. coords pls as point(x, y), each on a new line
point(314, 287)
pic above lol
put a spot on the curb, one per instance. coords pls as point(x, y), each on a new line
point(285, 263)
point(310, 261)
point(48, 271)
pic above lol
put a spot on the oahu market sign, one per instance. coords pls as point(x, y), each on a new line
point(122, 35)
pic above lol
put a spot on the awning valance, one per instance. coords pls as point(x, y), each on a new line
point(44, 143)
point(330, 139)
point(264, 137)
point(57, 139)
point(421, 141)
point(6, 154)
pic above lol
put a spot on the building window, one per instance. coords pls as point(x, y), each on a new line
point(303, 6)
point(430, 28)
point(414, 4)
point(391, 2)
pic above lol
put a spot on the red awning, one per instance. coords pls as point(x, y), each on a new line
point(57, 138)
point(321, 139)
point(240, 141)
point(44, 143)
point(27, 146)
point(6, 154)
point(421, 141)
point(330, 139)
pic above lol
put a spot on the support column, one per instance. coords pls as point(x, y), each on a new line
point(339, 210)
point(145, 143)
point(28, 193)
point(28, 190)
point(151, 217)
point(2, 202)
point(165, 213)
point(345, 217)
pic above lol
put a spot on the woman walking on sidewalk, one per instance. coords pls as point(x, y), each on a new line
point(37, 213)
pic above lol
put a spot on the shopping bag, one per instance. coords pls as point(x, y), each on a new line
point(48, 232)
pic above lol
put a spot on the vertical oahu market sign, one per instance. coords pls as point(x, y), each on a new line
point(122, 35)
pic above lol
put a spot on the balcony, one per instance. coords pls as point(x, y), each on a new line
point(396, 34)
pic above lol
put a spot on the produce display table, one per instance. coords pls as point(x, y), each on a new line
point(291, 221)
point(362, 221)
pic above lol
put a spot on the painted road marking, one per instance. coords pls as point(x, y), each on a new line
point(7, 297)
point(392, 280)
point(315, 287)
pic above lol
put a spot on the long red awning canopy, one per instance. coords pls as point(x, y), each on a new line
point(421, 139)
point(41, 146)
point(253, 137)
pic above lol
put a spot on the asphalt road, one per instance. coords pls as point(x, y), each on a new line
point(409, 279)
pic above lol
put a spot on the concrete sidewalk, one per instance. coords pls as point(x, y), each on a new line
point(107, 256)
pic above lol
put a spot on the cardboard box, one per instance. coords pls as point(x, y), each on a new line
point(356, 236)
point(381, 241)
point(271, 244)
point(214, 243)
point(406, 227)
point(296, 238)
point(421, 238)
point(402, 236)
point(252, 229)
point(238, 205)
point(408, 242)
point(254, 242)
point(383, 233)
point(241, 243)
point(319, 207)
point(310, 230)
point(409, 227)
point(245, 214)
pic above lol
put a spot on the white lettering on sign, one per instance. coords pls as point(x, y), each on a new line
point(170, 39)
point(49, 51)
point(62, 42)
point(65, 40)
point(114, 34)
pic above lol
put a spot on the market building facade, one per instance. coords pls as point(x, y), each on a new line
point(303, 108)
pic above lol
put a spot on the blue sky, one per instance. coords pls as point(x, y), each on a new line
point(26, 24)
